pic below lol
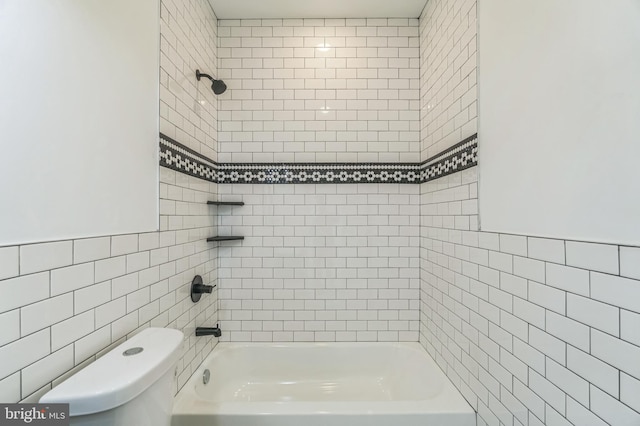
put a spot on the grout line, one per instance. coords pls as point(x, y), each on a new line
point(619, 261)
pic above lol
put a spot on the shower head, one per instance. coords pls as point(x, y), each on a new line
point(217, 86)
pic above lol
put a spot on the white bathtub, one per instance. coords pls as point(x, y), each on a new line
point(321, 384)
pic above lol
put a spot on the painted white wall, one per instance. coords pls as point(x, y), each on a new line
point(79, 118)
point(559, 127)
point(87, 295)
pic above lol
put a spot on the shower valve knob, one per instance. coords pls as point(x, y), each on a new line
point(201, 288)
point(198, 288)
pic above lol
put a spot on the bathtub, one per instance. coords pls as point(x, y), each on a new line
point(320, 384)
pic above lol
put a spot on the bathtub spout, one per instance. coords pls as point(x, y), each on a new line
point(209, 331)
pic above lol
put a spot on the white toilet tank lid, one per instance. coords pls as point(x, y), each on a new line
point(116, 378)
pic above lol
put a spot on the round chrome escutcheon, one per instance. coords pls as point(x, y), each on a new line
point(206, 376)
point(132, 351)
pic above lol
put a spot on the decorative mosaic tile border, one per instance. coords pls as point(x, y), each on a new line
point(318, 173)
point(461, 156)
point(178, 157)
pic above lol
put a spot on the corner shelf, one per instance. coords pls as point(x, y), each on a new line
point(212, 239)
point(226, 203)
point(225, 238)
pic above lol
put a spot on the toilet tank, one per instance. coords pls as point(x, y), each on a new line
point(133, 384)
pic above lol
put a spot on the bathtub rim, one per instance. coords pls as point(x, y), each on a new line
point(189, 403)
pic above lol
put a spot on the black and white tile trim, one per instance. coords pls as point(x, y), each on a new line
point(461, 156)
point(318, 173)
point(178, 157)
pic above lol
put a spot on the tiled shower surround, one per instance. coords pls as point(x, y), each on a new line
point(188, 107)
point(328, 262)
point(319, 90)
point(448, 90)
point(532, 331)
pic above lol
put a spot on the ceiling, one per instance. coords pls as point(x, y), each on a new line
point(254, 9)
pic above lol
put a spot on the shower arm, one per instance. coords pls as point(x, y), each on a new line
point(201, 74)
point(217, 86)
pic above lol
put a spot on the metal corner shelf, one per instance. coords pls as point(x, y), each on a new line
point(230, 238)
point(225, 203)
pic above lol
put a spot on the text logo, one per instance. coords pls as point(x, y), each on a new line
point(34, 414)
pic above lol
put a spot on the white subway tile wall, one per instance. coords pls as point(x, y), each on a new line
point(532, 331)
point(319, 90)
point(544, 343)
point(189, 42)
point(448, 62)
point(63, 304)
point(320, 263)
